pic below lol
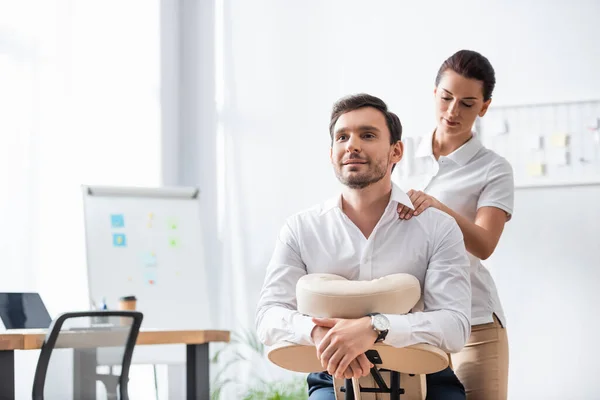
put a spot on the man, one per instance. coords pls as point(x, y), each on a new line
point(358, 235)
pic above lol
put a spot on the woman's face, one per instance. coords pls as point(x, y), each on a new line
point(458, 102)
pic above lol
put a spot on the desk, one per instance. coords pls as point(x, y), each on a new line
point(197, 357)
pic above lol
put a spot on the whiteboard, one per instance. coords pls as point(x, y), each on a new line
point(547, 144)
point(147, 242)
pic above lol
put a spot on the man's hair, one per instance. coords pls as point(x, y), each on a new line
point(356, 101)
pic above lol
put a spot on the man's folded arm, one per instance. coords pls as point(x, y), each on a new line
point(277, 318)
point(445, 321)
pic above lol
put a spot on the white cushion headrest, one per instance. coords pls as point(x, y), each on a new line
point(328, 295)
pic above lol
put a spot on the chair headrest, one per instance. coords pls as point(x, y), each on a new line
point(328, 295)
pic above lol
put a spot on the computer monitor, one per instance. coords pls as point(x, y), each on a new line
point(23, 311)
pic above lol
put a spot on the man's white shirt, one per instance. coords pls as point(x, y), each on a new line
point(324, 240)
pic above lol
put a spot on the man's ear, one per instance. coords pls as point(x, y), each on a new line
point(331, 155)
point(397, 152)
point(484, 108)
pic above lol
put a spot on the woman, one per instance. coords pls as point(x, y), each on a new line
point(475, 186)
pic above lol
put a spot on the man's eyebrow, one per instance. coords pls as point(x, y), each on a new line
point(360, 128)
point(465, 98)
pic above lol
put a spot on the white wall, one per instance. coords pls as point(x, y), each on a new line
point(546, 269)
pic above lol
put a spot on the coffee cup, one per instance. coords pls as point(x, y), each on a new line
point(127, 303)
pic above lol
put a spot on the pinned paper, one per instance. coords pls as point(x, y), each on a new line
point(150, 275)
point(119, 240)
point(408, 160)
point(558, 157)
point(150, 220)
point(559, 140)
point(497, 126)
point(117, 221)
point(172, 223)
point(535, 169)
point(534, 142)
point(594, 124)
point(150, 259)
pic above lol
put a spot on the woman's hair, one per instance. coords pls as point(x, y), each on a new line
point(473, 65)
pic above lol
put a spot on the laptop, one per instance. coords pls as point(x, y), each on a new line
point(23, 311)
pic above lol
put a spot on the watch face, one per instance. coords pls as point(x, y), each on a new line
point(380, 322)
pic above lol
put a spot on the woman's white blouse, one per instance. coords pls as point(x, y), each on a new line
point(469, 178)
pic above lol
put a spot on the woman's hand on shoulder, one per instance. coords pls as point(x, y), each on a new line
point(421, 201)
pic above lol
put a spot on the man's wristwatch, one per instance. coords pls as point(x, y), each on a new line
point(380, 324)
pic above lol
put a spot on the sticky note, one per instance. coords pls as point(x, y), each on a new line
point(149, 259)
point(559, 140)
point(117, 221)
point(119, 240)
point(150, 275)
point(535, 169)
point(172, 223)
point(150, 220)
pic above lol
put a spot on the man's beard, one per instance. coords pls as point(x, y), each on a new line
point(374, 174)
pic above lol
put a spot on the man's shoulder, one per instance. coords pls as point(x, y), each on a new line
point(436, 215)
point(436, 220)
point(312, 213)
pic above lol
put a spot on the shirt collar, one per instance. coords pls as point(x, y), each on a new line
point(398, 195)
point(461, 156)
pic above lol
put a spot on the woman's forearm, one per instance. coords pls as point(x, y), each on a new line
point(479, 241)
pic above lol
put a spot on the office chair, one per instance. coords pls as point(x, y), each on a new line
point(332, 296)
point(89, 334)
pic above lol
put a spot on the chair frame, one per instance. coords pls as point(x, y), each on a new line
point(52, 336)
point(394, 390)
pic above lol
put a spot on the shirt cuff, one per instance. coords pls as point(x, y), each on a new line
point(400, 330)
point(303, 326)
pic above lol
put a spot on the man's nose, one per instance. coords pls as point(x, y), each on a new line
point(353, 144)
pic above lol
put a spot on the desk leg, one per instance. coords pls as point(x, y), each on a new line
point(197, 372)
point(84, 373)
point(7, 374)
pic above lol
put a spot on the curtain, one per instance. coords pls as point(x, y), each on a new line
point(79, 104)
